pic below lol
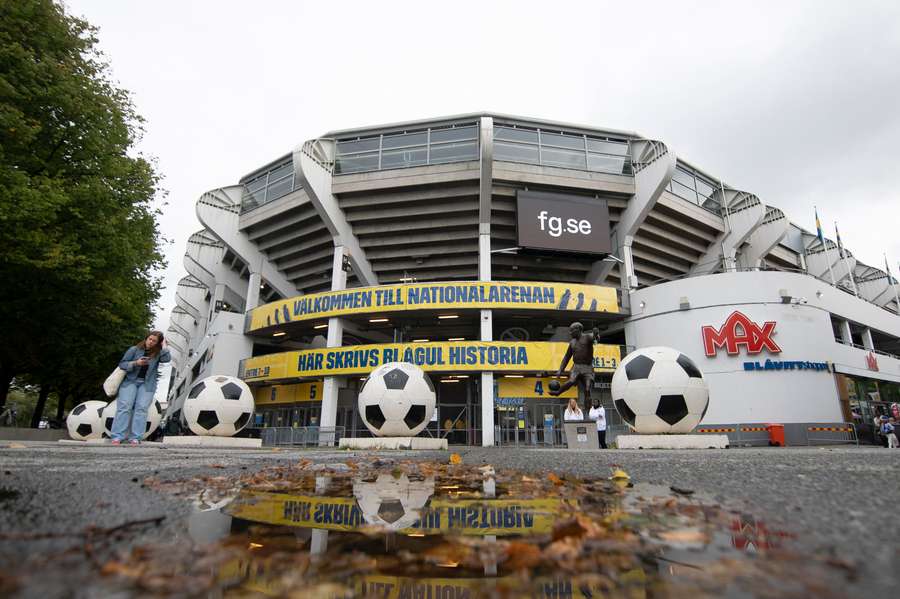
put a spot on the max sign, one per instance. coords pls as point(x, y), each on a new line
point(739, 331)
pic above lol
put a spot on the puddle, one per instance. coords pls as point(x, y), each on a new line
point(410, 530)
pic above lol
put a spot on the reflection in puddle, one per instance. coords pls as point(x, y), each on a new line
point(438, 532)
point(420, 530)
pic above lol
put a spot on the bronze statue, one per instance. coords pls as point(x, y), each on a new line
point(581, 352)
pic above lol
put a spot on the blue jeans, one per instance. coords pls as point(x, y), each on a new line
point(131, 411)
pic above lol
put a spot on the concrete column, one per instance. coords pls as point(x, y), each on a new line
point(253, 291)
point(318, 543)
point(628, 278)
point(487, 334)
point(217, 296)
point(328, 417)
point(485, 190)
point(846, 335)
point(868, 343)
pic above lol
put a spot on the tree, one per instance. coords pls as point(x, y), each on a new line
point(79, 240)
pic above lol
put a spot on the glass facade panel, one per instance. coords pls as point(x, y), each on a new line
point(277, 182)
point(357, 163)
point(405, 140)
point(684, 192)
point(684, 177)
point(359, 145)
point(564, 141)
point(280, 171)
point(510, 134)
point(448, 144)
point(617, 165)
point(516, 152)
point(563, 158)
point(566, 150)
point(454, 134)
point(404, 158)
point(280, 188)
point(455, 152)
point(607, 147)
point(704, 189)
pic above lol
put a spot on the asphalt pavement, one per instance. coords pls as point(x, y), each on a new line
point(842, 501)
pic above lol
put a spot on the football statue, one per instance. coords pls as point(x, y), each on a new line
point(154, 415)
point(660, 390)
point(397, 400)
point(85, 421)
point(218, 406)
point(393, 503)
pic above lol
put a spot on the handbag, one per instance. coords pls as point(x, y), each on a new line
point(112, 382)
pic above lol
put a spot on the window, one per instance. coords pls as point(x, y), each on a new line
point(275, 183)
point(437, 145)
point(695, 188)
point(559, 148)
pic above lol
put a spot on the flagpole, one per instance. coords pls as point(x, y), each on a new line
point(891, 281)
point(825, 247)
point(843, 254)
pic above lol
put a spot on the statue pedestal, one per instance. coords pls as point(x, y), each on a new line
point(209, 441)
point(677, 441)
point(392, 443)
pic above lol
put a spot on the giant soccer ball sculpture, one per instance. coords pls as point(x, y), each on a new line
point(218, 406)
point(154, 415)
point(393, 503)
point(85, 421)
point(660, 390)
point(397, 400)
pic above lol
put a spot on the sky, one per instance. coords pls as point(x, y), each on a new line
point(797, 102)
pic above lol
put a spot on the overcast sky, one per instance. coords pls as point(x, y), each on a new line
point(798, 102)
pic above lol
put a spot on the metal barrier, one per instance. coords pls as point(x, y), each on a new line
point(832, 433)
point(301, 436)
point(753, 434)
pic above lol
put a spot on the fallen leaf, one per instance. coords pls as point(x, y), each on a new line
point(619, 474)
point(17, 446)
point(681, 491)
point(455, 459)
point(522, 556)
point(554, 479)
point(684, 535)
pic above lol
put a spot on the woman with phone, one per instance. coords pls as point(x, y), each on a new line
point(140, 363)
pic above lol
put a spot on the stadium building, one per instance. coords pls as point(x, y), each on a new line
point(468, 244)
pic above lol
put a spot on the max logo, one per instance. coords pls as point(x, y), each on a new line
point(738, 331)
point(871, 361)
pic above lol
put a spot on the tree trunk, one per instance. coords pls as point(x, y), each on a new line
point(39, 406)
point(61, 405)
point(6, 377)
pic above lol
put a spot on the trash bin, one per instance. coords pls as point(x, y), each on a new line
point(776, 434)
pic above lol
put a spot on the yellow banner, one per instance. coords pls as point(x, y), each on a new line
point(432, 357)
point(283, 394)
point(461, 516)
point(437, 296)
point(531, 386)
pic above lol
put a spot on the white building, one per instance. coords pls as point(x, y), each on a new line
point(383, 211)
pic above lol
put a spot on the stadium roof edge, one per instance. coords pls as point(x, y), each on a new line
point(471, 115)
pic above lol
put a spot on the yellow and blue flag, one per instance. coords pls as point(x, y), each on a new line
point(819, 227)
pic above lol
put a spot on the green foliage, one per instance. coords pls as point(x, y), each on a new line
point(79, 242)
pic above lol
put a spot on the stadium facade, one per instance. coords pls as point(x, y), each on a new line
point(468, 244)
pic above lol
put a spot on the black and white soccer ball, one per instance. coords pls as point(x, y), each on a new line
point(218, 406)
point(660, 390)
point(85, 421)
point(397, 400)
point(393, 503)
point(154, 415)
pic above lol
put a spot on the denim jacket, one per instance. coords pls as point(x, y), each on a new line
point(131, 369)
